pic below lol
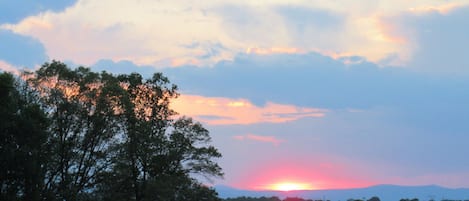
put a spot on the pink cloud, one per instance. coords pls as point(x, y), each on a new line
point(223, 111)
point(4, 66)
point(259, 138)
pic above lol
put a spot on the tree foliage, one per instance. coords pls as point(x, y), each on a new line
point(23, 139)
point(407, 199)
point(244, 198)
point(374, 198)
point(103, 137)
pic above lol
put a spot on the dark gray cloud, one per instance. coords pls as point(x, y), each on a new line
point(21, 51)
point(13, 11)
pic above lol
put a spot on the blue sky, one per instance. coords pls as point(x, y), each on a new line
point(333, 94)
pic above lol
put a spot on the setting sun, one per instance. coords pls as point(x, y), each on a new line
point(290, 186)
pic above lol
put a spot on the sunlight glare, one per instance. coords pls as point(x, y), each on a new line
point(290, 186)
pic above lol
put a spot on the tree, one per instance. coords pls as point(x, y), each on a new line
point(295, 199)
point(23, 136)
point(73, 134)
point(374, 198)
point(158, 154)
point(243, 198)
point(407, 199)
point(81, 107)
point(116, 138)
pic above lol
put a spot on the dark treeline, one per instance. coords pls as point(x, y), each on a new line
point(74, 134)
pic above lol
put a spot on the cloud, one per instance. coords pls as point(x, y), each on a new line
point(14, 11)
point(439, 35)
point(304, 22)
point(4, 66)
point(433, 37)
point(433, 104)
point(259, 138)
point(442, 8)
point(304, 17)
point(123, 32)
point(312, 80)
point(315, 80)
point(20, 50)
point(273, 50)
point(219, 29)
point(220, 111)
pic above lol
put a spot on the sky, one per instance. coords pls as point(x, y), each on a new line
point(322, 93)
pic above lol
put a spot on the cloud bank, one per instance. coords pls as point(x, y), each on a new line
point(218, 110)
point(175, 33)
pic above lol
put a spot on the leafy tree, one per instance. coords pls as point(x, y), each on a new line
point(295, 199)
point(81, 107)
point(374, 198)
point(115, 138)
point(407, 199)
point(80, 135)
point(243, 198)
point(158, 154)
point(23, 136)
point(351, 199)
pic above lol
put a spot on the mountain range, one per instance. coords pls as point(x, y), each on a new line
point(384, 192)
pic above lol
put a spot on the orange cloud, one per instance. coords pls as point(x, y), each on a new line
point(387, 32)
point(259, 138)
point(442, 9)
point(219, 111)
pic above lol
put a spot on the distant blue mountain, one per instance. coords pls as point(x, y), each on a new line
point(384, 192)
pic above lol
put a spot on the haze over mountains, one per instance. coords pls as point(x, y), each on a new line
point(384, 192)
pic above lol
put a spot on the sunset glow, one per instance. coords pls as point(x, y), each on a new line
point(290, 186)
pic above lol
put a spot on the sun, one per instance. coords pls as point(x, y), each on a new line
point(290, 186)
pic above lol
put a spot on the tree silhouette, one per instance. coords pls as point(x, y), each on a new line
point(73, 134)
point(374, 198)
point(23, 139)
